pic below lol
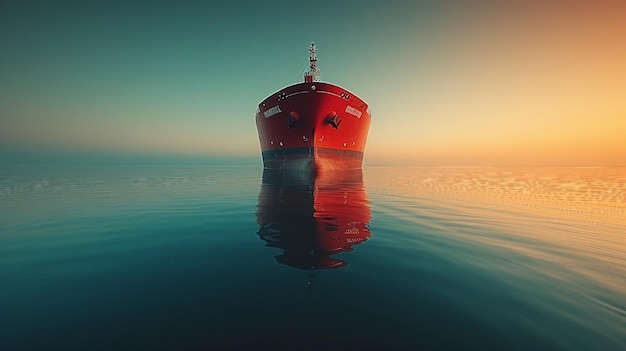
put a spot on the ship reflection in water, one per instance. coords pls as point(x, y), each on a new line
point(312, 217)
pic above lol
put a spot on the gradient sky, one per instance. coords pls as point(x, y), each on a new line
point(448, 82)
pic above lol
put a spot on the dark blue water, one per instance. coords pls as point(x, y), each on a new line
point(227, 257)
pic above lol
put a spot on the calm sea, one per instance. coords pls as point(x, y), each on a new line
point(229, 257)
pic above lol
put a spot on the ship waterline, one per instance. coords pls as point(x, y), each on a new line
point(313, 126)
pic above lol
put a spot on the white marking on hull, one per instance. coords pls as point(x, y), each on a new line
point(272, 111)
point(353, 111)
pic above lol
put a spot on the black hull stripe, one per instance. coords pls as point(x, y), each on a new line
point(309, 158)
point(308, 152)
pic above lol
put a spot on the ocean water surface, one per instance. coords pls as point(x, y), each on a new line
point(200, 257)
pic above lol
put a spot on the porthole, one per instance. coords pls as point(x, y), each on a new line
point(280, 143)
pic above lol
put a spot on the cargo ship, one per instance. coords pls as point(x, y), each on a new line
point(313, 217)
point(313, 126)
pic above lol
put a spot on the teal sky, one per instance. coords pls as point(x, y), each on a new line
point(184, 78)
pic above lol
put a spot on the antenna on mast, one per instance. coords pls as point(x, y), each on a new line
point(313, 75)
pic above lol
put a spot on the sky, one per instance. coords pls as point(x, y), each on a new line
point(449, 83)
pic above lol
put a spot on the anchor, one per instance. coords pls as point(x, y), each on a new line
point(292, 119)
point(333, 120)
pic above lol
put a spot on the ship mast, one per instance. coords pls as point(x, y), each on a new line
point(314, 74)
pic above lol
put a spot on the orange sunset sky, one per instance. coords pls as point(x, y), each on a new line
point(449, 83)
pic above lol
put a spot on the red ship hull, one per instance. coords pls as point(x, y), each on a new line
point(313, 126)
